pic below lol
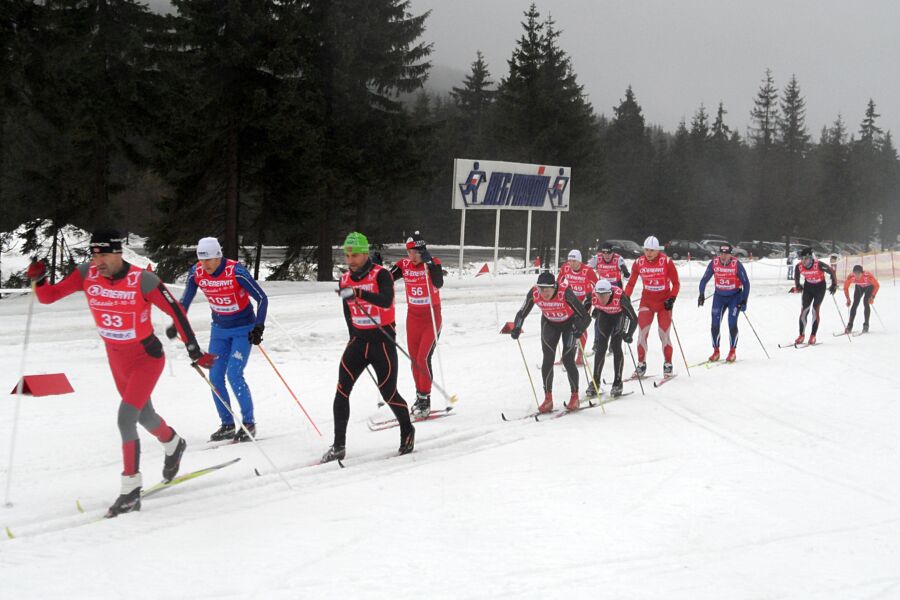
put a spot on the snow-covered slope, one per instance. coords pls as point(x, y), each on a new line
point(770, 478)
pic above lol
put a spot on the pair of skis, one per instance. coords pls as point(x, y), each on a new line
point(382, 424)
point(799, 346)
point(666, 379)
point(561, 412)
point(157, 488)
point(853, 333)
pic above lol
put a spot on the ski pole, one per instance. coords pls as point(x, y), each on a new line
point(434, 328)
point(19, 387)
point(528, 371)
point(756, 334)
point(677, 339)
point(589, 374)
point(451, 399)
point(634, 362)
point(841, 315)
point(244, 427)
point(293, 395)
point(879, 317)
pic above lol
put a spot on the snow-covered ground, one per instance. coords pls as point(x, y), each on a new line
point(770, 478)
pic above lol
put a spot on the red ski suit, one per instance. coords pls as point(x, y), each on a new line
point(121, 310)
point(423, 282)
point(660, 280)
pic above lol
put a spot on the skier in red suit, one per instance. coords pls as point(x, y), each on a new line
point(424, 278)
point(660, 280)
point(120, 296)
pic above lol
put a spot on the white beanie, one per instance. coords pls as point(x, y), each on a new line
point(603, 287)
point(651, 243)
point(209, 247)
point(575, 254)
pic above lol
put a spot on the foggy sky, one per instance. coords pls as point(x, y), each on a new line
point(679, 53)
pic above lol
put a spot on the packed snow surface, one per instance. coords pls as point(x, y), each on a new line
point(770, 478)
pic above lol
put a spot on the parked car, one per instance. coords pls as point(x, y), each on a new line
point(761, 249)
point(681, 248)
point(713, 246)
point(817, 246)
point(626, 248)
point(714, 236)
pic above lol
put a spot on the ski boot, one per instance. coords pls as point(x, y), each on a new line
point(591, 391)
point(799, 339)
point(422, 406)
point(407, 441)
point(812, 340)
point(241, 436)
point(574, 402)
point(714, 356)
point(667, 370)
point(640, 371)
point(865, 328)
point(616, 388)
point(225, 432)
point(732, 355)
point(130, 498)
point(547, 405)
point(174, 449)
point(335, 452)
point(848, 329)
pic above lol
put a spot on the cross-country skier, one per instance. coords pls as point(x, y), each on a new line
point(562, 316)
point(813, 272)
point(581, 280)
point(120, 296)
point(609, 265)
point(866, 290)
point(367, 294)
point(228, 287)
point(660, 280)
point(615, 323)
point(732, 290)
point(423, 277)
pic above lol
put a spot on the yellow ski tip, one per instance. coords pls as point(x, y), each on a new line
point(78, 506)
point(9, 534)
point(453, 399)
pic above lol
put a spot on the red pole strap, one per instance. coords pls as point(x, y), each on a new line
point(289, 389)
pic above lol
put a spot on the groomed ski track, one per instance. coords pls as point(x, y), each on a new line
point(769, 479)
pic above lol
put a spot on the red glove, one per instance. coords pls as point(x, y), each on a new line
point(37, 271)
point(872, 300)
point(849, 303)
point(206, 360)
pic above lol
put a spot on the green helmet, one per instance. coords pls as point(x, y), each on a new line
point(356, 243)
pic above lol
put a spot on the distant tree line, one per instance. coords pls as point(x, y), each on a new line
point(291, 123)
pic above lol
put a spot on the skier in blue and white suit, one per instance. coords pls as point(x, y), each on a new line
point(228, 287)
point(732, 291)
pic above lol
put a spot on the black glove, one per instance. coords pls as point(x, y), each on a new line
point(669, 303)
point(515, 333)
point(742, 306)
point(832, 289)
point(171, 331)
point(628, 338)
point(255, 335)
point(425, 255)
point(701, 299)
point(194, 352)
